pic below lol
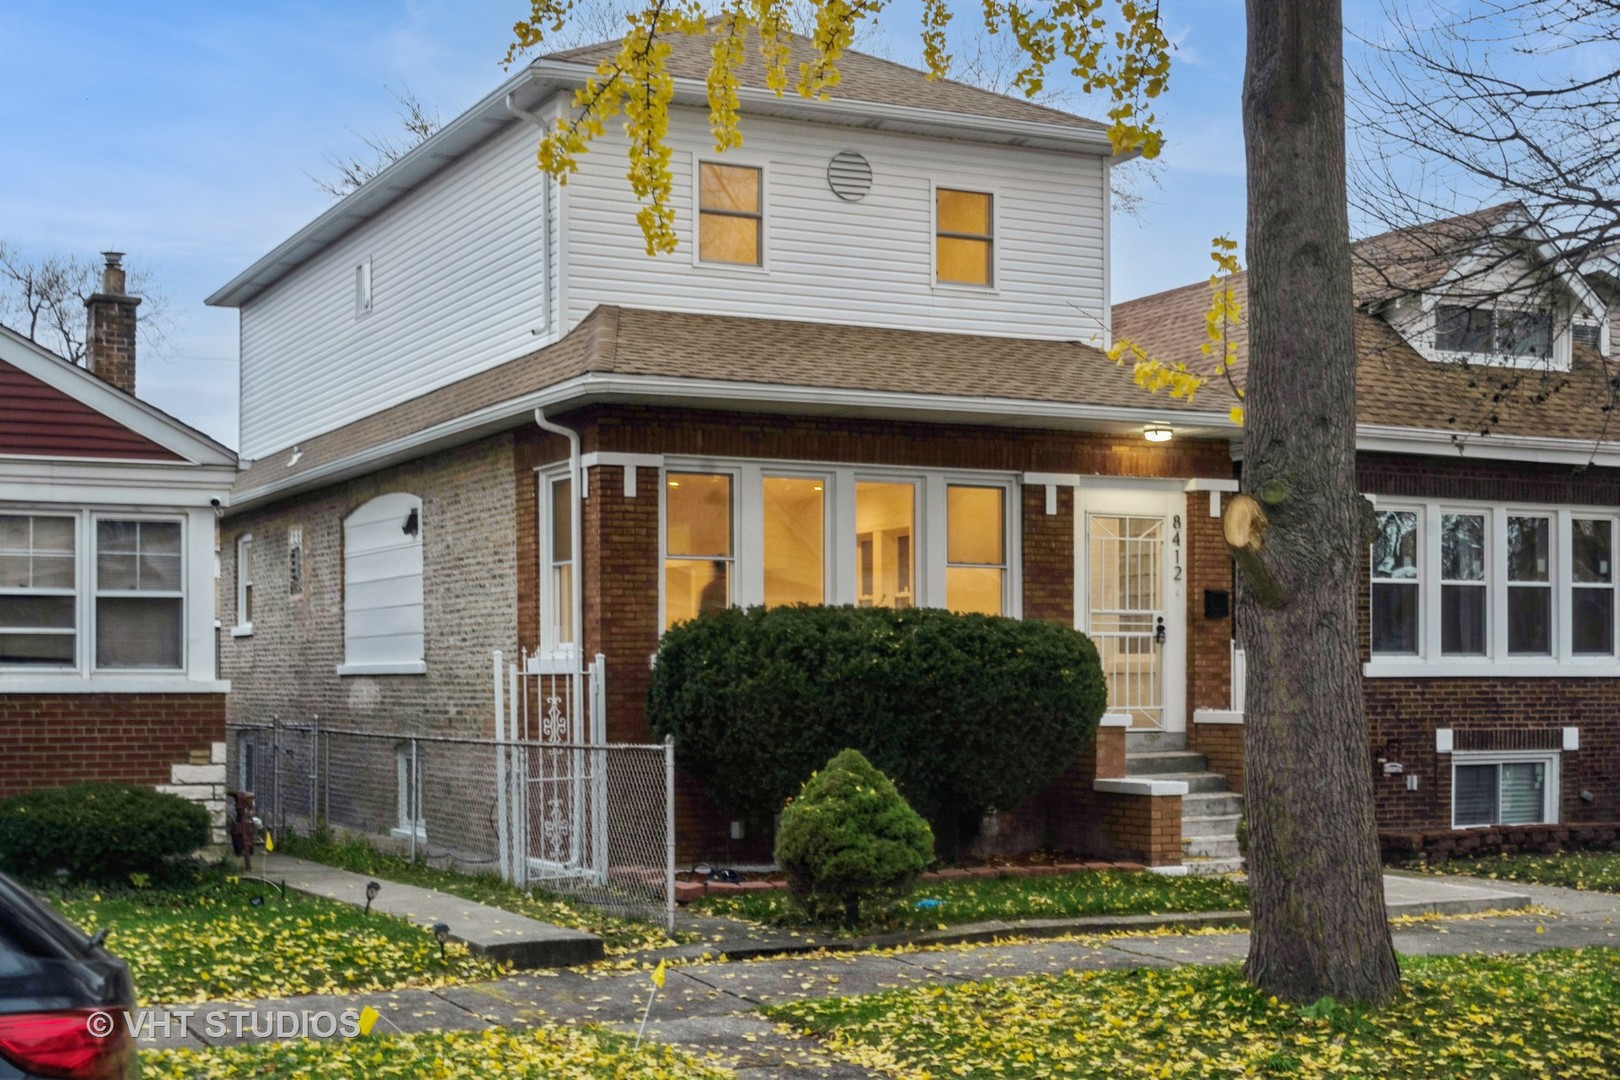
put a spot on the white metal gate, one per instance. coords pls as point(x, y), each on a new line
point(551, 773)
point(1127, 616)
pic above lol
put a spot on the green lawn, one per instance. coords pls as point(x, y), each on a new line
point(212, 942)
point(1551, 1014)
point(1596, 871)
point(552, 1053)
point(967, 900)
point(618, 935)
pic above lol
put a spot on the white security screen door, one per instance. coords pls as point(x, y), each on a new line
point(1127, 612)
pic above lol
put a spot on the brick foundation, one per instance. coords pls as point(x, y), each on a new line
point(1438, 846)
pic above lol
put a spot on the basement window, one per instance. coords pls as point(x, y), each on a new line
point(1503, 789)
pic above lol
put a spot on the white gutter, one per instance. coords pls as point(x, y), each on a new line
point(576, 492)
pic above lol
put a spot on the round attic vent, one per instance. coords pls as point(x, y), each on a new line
point(849, 175)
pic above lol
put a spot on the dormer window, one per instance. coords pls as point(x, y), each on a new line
point(1519, 332)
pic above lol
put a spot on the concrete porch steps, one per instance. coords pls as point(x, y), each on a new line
point(1209, 811)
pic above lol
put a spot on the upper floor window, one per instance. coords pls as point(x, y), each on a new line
point(963, 240)
point(1493, 584)
point(382, 588)
point(731, 213)
point(244, 584)
point(1519, 332)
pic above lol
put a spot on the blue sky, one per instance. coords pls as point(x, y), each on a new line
point(186, 133)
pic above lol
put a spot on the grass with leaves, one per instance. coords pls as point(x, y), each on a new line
point(955, 901)
point(228, 939)
point(619, 935)
point(1595, 871)
point(1550, 1014)
point(551, 1053)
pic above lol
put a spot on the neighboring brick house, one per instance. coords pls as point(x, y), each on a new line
point(870, 375)
point(107, 571)
point(1488, 621)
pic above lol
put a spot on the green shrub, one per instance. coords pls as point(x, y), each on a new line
point(848, 839)
point(966, 712)
point(98, 832)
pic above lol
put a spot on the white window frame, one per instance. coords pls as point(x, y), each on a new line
point(244, 582)
point(1550, 789)
point(295, 561)
point(1006, 552)
point(740, 161)
point(93, 593)
point(551, 617)
point(80, 623)
point(1440, 582)
point(363, 294)
point(406, 785)
point(929, 548)
point(399, 665)
point(1497, 662)
point(1424, 529)
point(1567, 552)
point(974, 187)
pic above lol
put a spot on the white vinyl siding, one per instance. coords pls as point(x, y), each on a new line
point(869, 262)
point(457, 283)
point(382, 588)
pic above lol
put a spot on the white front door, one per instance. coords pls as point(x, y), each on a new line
point(1131, 595)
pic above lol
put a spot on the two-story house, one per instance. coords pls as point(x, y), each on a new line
point(477, 416)
point(1487, 444)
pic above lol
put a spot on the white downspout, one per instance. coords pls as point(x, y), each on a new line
point(576, 481)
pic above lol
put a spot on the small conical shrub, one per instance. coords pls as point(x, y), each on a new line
point(850, 839)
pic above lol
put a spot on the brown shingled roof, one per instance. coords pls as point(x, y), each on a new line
point(862, 78)
point(747, 351)
point(1395, 385)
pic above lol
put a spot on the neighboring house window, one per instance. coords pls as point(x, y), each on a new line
point(697, 545)
point(246, 763)
point(382, 588)
point(885, 544)
point(557, 560)
point(963, 244)
point(295, 561)
point(139, 598)
point(1463, 593)
point(38, 599)
point(1588, 334)
point(1395, 583)
point(244, 584)
point(1531, 587)
point(975, 538)
point(1512, 790)
point(1505, 331)
point(408, 769)
point(795, 540)
point(731, 214)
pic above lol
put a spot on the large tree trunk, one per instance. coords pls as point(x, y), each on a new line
point(1317, 891)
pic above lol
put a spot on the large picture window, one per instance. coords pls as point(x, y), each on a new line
point(697, 545)
point(38, 598)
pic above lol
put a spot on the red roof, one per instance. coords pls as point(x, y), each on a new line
point(37, 420)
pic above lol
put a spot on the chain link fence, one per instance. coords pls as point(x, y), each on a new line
point(595, 822)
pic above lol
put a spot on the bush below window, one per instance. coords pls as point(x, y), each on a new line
point(965, 712)
point(97, 832)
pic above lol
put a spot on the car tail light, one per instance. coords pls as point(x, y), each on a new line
point(74, 1044)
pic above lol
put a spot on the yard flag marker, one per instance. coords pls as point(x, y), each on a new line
point(658, 984)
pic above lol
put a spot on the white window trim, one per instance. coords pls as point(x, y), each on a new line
point(80, 649)
point(1498, 663)
point(731, 157)
point(1559, 358)
point(964, 287)
point(1550, 790)
point(550, 618)
point(404, 828)
point(244, 581)
point(929, 552)
point(364, 295)
point(414, 666)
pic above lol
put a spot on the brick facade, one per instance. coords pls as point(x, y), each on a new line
point(48, 740)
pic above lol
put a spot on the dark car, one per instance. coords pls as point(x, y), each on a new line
point(64, 1000)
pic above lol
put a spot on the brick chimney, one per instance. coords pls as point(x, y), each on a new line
point(109, 344)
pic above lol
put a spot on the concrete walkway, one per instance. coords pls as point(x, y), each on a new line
point(710, 1006)
point(487, 931)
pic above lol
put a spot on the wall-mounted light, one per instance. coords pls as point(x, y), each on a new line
point(1158, 433)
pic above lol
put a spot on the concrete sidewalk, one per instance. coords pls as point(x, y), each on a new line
point(710, 1006)
point(486, 931)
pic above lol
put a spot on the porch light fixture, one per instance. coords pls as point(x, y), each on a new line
point(1158, 433)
